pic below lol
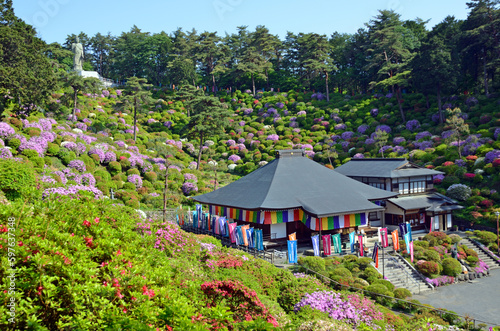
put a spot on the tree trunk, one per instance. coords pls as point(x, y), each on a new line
point(135, 121)
point(400, 104)
point(326, 84)
point(440, 110)
point(253, 84)
point(427, 101)
point(213, 84)
point(75, 92)
point(485, 73)
point(215, 181)
point(165, 190)
point(199, 152)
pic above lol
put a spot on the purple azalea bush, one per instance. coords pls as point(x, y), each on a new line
point(136, 180)
point(78, 165)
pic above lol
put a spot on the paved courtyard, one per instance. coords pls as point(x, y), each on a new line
point(479, 299)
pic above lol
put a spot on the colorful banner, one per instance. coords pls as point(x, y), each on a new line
point(222, 226)
point(361, 250)
point(327, 244)
point(402, 229)
point(232, 232)
point(407, 242)
point(411, 251)
point(352, 239)
point(315, 242)
point(244, 233)
point(292, 236)
point(383, 235)
point(337, 243)
point(250, 238)
point(259, 239)
point(290, 215)
point(239, 235)
point(408, 230)
point(292, 251)
point(375, 255)
point(395, 239)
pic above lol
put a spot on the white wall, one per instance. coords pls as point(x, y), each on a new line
point(279, 229)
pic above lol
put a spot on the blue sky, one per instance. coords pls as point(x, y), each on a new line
point(55, 19)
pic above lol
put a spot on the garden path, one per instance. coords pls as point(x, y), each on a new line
point(479, 299)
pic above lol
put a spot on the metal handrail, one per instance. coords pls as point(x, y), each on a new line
point(481, 246)
point(408, 275)
point(418, 273)
point(410, 304)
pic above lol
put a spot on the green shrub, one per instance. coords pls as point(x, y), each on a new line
point(380, 289)
point(314, 263)
point(53, 149)
point(432, 255)
point(485, 237)
point(342, 272)
point(133, 171)
point(151, 176)
point(29, 153)
point(361, 282)
point(103, 174)
point(455, 238)
point(422, 243)
point(38, 161)
point(89, 163)
point(402, 293)
point(17, 179)
point(47, 160)
point(370, 272)
point(473, 260)
point(451, 267)
point(14, 143)
point(114, 167)
point(129, 186)
point(386, 283)
point(428, 268)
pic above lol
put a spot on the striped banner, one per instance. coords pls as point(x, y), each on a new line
point(290, 215)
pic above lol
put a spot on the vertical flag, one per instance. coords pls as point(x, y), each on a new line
point(244, 234)
point(292, 236)
point(407, 242)
point(375, 255)
point(327, 243)
point(337, 243)
point(351, 240)
point(292, 251)
point(402, 229)
point(385, 240)
point(250, 238)
point(315, 242)
point(259, 239)
point(239, 235)
point(411, 251)
point(395, 239)
point(232, 232)
point(408, 230)
point(361, 249)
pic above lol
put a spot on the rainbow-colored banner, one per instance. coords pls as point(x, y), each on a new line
point(290, 215)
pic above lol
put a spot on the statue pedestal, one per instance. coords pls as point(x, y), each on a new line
point(94, 74)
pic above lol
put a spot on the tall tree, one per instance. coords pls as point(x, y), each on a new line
point(130, 54)
point(391, 49)
point(182, 66)
point(138, 97)
point(435, 65)
point(266, 45)
point(26, 74)
point(79, 84)
point(481, 40)
point(101, 47)
point(212, 55)
point(209, 117)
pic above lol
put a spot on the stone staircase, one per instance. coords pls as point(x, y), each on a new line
point(400, 274)
point(481, 253)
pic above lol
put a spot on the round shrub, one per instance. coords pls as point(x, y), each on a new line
point(30, 153)
point(428, 268)
point(432, 255)
point(114, 168)
point(361, 282)
point(422, 243)
point(105, 176)
point(486, 237)
point(451, 267)
point(17, 179)
point(38, 161)
point(364, 262)
point(342, 272)
point(380, 289)
point(314, 263)
point(14, 143)
point(402, 293)
point(386, 283)
point(129, 186)
point(370, 272)
point(473, 260)
point(134, 203)
point(133, 171)
point(459, 192)
point(136, 180)
point(53, 149)
point(151, 176)
point(455, 238)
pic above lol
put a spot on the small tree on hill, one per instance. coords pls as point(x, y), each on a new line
point(381, 138)
point(138, 97)
point(79, 84)
point(209, 117)
point(458, 126)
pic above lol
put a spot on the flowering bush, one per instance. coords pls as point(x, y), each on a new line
point(136, 180)
point(413, 125)
point(441, 280)
point(459, 192)
point(235, 158)
point(352, 309)
point(77, 165)
point(189, 188)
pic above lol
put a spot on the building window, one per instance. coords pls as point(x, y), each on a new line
point(412, 187)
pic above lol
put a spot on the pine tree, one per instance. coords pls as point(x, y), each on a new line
point(209, 117)
point(138, 97)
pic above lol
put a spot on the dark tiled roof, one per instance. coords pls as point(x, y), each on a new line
point(294, 181)
point(431, 202)
point(386, 168)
